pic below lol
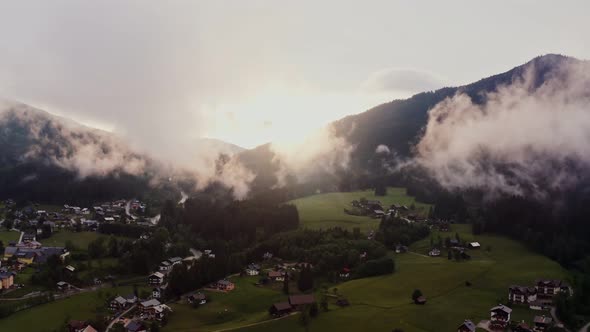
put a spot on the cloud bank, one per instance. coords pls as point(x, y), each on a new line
point(525, 139)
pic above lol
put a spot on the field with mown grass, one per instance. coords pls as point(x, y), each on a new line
point(244, 305)
point(327, 210)
point(79, 239)
point(384, 303)
point(9, 236)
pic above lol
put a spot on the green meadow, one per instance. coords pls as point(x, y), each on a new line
point(9, 236)
point(384, 303)
point(244, 305)
point(50, 316)
point(327, 210)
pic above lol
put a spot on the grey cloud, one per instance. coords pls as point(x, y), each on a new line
point(400, 79)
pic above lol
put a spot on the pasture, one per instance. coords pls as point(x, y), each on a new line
point(244, 305)
point(384, 303)
point(327, 210)
point(9, 236)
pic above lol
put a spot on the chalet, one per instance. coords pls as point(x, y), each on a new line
point(420, 300)
point(541, 323)
point(225, 285)
point(118, 303)
point(153, 309)
point(89, 328)
point(197, 298)
point(444, 227)
point(276, 275)
point(159, 291)
point(522, 295)
point(267, 255)
point(300, 301)
point(148, 304)
point(165, 266)
point(454, 242)
point(6, 280)
point(550, 288)
point(378, 213)
point(109, 219)
point(156, 278)
point(434, 253)
point(70, 269)
point(280, 309)
point(345, 273)
point(26, 257)
point(500, 317)
point(253, 270)
point(467, 326)
point(63, 286)
point(474, 245)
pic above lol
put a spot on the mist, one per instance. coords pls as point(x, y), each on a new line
point(523, 140)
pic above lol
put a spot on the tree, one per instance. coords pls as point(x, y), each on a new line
point(450, 255)
point(380, 189)
point(356, 233)
point(286, 284)
point(96, 248)
point(324, 301)
point(304, 318)
point(135, 291)
point(113, 246)
point(313, 310)
point(416, 294)
point(155, 327)
point(305, 281)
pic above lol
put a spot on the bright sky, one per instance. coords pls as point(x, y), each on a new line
point(249, 72)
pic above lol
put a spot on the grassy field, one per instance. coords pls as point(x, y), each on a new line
point(8, 236)
point(244, 305)
point(80, 239)
point(48, 317)
point(384, 303)
point(327, 210)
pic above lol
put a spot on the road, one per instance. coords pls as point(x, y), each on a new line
point(119, 316)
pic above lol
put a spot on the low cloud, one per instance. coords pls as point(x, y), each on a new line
point(524, 140)
point(382, 149)
point(401, 80)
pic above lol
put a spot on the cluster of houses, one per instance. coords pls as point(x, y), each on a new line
point(150, 309)
point(29, 251)
point(540, 296)
point(293, 303)
point(457, 247)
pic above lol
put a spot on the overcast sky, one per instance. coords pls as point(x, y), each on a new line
point(164, 72)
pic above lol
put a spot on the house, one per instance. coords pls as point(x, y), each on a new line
point(280, 309)
point(434, 253)
point(467, 326)
point(378, 213)
point(400, 249)
point(300, 301)
point(120, 302)
point(156, 278)
point(345, 273)
point(135, 326)
point(63, 286)
point(25, 257)
point(541, 323)
point(522, 295)
point(454, 242)
point(276, 275)
point(197, 298)
point(474, 245)
point(89, 328)
point(267, 255)
point(76, 325)
point(6, 280)
point(175, 260)
point(253, 270)
point(165, 266)
point(420, 300)
point(159, 292)
point(225, 285)
point(550, 288)
point(500, 316)
point(28, 237)
point(70, 268)
point(153, 309)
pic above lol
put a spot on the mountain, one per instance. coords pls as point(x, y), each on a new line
point(47, 158)
point(398, 124)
